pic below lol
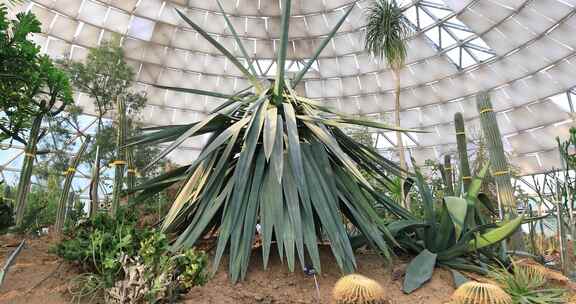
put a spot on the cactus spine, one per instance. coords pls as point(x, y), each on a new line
point(498, 162)
point(462, 142)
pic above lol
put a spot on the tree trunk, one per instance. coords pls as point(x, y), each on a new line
point(399, 140)
point(27, 166)
point(120, 161)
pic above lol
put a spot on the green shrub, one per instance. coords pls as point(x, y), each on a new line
point(6, 215)
point(97, 244)
point(121, 259)
point(41, 208)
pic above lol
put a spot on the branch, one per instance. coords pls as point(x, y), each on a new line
point(13, 135)
point(59, 110)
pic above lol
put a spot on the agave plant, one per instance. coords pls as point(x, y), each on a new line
point(452, 234)
point(279, 160)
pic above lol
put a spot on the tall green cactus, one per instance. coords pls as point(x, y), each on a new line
point(498, 162)
point(64, 197)
point(462, 142)
point(27, 166)
point(448, 174)
point(120, 162)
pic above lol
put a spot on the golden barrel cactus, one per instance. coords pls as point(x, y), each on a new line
point(358, 289)
point(480, 293)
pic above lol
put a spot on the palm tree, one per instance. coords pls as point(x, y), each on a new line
point(386, 31)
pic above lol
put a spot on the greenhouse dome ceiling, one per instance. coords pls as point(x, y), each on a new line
point(522, 51)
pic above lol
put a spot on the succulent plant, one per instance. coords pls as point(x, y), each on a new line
point(358, 289)
point(498, 162)
point(532, 274)
point(480, 293)
point(465, 173)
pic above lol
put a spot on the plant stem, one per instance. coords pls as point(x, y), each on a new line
point(399, 140)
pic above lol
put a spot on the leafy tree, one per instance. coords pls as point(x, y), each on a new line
point(31, 89)
point(386, 32)
point(18, 70)
point(52, 95)
point(105, 76)
point(108, 79)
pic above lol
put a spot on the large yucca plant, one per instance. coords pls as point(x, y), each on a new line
point(278, 160)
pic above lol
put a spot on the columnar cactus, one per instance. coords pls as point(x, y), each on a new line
point(64, 197)
point(498, 162)
point(120, 161)
point(461, 140)
point(448, 175)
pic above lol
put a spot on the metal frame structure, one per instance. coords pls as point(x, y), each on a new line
point(523, 51)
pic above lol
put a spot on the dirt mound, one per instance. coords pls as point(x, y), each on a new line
point(278, 286)
point(38, 277)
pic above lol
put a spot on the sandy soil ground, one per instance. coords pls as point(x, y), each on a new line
point(38, 277)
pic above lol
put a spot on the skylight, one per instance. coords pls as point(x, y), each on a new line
point(448, 34)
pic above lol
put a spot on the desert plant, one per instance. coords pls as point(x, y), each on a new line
point(498, 161)
point(480, 293)
point(70, 173)
point(462, 143)
point(499, 164)
point(447, 174)
point(31, 88)
point(449, 235)
point(96, 245)
point(275, 159)
point(55, 82)
point(386, 31)
point(126, 264)
point(120, 162)
point(526, 285)
point(108, 78)
point(42, 206)
point(159, 280)
point(358, 289)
